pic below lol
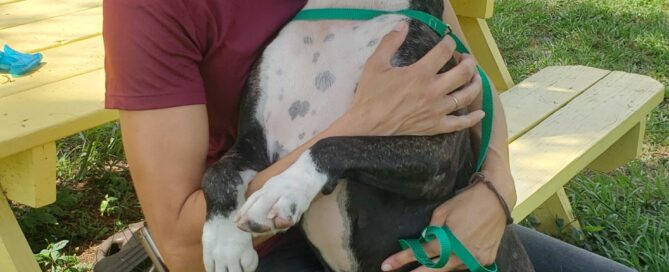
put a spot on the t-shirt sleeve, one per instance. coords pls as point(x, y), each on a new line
point(152, 55)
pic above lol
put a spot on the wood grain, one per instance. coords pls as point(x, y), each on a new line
point(59, 63)
point(25, 12)
point(553, 152)
point(58, 31)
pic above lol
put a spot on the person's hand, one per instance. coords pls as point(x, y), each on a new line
point(413, 100)
point(475, 217)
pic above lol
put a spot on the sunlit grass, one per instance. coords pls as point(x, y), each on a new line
point(625, 214)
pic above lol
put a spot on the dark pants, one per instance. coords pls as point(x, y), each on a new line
point(546, 253)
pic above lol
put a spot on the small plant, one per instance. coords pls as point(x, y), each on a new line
point(108, 205)
point(51, 259)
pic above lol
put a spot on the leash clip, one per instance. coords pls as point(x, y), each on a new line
point(448, 29)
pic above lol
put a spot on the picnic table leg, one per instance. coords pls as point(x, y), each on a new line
point(557, 206)
point(15, 254)
point(627, 148)
point(29, 177)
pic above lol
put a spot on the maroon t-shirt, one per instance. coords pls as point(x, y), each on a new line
point(167, 53)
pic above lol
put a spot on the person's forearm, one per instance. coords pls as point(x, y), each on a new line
point(342, 127)
point(496, 166)
point(338, 128)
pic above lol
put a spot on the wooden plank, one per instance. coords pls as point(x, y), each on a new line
point(556, 206)
point(482, 9)
point(15, 254)
point(52, 112)
point(546, 157)
point(537, 97)
point(54, 32)
point(60, 63)
point(29, 177)
point(35, 10)
point(4, 2)
point(621, 152)
point(484, 48)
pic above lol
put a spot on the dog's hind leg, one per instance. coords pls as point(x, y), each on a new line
point(226, 247)
point(410, 166)
point(224, 185)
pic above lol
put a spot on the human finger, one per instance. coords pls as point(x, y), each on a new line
point(439, 55)
point(460, 75)
point(452, 123)
point(406, 256)
point(463, 97)
point(389, 45)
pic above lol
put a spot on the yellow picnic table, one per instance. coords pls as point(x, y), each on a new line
point(561, 120)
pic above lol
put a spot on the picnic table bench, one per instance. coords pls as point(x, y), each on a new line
point(561, 120)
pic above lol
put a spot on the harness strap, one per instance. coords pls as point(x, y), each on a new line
point(447, 241)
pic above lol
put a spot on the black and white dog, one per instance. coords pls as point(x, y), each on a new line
point(378, 189)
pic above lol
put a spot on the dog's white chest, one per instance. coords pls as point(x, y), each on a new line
point(308, 76)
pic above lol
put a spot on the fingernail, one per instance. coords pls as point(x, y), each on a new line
point(386, 267)
point(481, 114)
point(399, 26)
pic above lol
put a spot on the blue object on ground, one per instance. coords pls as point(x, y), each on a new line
point(18, 63)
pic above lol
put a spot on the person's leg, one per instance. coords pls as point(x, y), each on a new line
point(296, 256)
point(549, 254)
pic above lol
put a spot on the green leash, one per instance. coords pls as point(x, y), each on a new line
point(448, 242)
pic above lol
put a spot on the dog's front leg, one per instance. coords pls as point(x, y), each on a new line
point(283, 199)
point(226, 247)
point(409, 166)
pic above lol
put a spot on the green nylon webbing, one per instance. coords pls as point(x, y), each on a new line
point(447, 241)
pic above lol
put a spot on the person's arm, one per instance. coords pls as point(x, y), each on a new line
point(475, 216)
point(410, 100)
point(166, 148)
point(166, 151)
point(496, 166)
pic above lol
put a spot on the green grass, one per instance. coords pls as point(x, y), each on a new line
point(625, 214)
point(95, 198)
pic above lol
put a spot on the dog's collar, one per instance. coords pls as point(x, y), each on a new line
point(448, 242)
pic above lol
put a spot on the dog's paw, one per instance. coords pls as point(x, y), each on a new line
point(227, 248)
point(283, 199)
point(277, 206)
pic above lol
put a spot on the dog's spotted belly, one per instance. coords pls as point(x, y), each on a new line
point(309, 74)
point(308, 77)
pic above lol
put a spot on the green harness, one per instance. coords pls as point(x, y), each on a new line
point(448, 242)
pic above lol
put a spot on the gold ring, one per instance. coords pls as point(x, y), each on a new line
point(455, 100)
